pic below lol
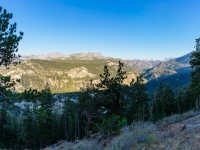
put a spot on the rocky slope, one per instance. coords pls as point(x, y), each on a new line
point(183, 135)
point(170, 67)
point(175, 72)
point(62, 75)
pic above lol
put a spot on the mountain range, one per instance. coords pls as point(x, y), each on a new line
point(68, 73)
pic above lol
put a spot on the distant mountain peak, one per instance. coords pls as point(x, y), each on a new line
point(140, 64)
point(87, 56)
point(58, 55)
point(167, 59)
point(185, 59)
point(48, 56)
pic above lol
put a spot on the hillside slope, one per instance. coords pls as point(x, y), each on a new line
point(171, 133)
point(175, 72)
point(62, 75)
point(67, 73)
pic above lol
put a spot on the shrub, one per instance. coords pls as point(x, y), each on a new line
point(132, 135)
point(176, 118)
point(111, 124)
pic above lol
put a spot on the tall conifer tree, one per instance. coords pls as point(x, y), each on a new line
point(195, 75)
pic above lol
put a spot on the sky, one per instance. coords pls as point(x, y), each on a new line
point(127, 29)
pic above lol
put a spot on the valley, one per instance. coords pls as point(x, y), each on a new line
point(68, 73)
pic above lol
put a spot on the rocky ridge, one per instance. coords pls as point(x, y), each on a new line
point(55, 69)
point(62, 75)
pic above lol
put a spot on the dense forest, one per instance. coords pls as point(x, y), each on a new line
point(104, 107)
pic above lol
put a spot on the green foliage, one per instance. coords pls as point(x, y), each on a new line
point(109, 104)
point(100, 105)
point(167, 102)
point(8, 132)
point(69, 117)
point(111, 124)
point(8, 39)
point(8, 47)
point(137, 104)
point(113, 88)
point(176, 118)
point(8, 123)
point(164, 102)
point(38, 120)
point(30, 130)
point(44, 116)
point(30, 95)
point(195, 75)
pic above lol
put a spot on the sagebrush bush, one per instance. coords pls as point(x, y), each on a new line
point(176, 118)
point(132, 135)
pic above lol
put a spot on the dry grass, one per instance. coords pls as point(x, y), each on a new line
point(176, 118)
point(132, 136)
point(86, 145)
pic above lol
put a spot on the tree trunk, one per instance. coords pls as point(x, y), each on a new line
point(88, 129)
point(89, 117)
point(197, 104)
point(3, 118)
point(65, 129)
point(117, 104)
point(75, 128)
point(78, 126)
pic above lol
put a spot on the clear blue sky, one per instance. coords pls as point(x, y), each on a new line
point(129, 29)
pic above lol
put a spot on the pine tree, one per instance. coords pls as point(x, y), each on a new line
point(6, 102)
point(113, 87)
point(8, 38)
point(139, 101)
point(69, 109)
point(44, 116)
point(111, 101)
point(88, 104)
point(158, 106)
point(8, 48)
point(169, 101)
point(195, 75)
point(30, 129)
point(8, 135)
